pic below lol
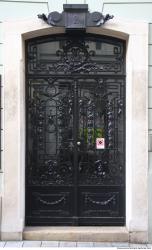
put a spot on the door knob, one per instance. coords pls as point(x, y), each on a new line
point(78, 143)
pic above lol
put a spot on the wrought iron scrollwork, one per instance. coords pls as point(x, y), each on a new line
point(75, 97)
point(76, 56)
point(50, 112)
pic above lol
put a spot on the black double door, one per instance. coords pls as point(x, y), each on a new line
point(75, 137)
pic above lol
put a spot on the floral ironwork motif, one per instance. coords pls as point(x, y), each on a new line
point(51, 114)
point(76, 56)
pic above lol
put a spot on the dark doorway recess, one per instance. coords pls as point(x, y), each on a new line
point(75, 126)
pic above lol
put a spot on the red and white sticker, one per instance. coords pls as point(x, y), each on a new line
point(100, 143)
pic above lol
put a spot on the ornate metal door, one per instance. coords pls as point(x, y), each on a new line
point(75, 172)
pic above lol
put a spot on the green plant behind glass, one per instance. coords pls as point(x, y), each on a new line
point(95, 133)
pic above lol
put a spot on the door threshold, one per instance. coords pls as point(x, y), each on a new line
point(83, 233)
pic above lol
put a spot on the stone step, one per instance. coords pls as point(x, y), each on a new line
point(86, 234)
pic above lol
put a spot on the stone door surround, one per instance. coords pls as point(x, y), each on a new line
point(13, 200)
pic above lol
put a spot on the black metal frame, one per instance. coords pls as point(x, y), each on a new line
point(99, 191)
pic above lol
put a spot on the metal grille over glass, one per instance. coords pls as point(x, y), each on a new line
point(75, 153)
